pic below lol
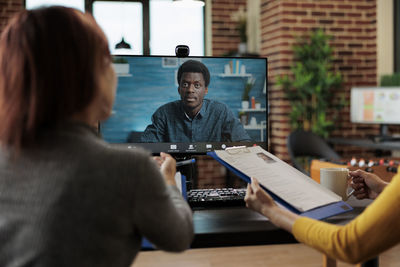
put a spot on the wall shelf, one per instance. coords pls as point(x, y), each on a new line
point(223, 75)
point(124, 75)
point(252, 110)
point(253, 127)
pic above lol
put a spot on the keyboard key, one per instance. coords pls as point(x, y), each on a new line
point(214, 198)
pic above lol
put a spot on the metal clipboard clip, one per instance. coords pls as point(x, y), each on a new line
point(237, 150)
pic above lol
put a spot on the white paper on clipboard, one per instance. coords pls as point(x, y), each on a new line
point(293, 186)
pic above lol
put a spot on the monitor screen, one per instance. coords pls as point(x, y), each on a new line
point(188, 105)
point(375, 105)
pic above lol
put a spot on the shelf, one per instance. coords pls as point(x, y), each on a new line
point(254, 127)
point(124, 75)
point(234, 75)
point(252, 110)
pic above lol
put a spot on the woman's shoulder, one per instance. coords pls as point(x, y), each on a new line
point(123, 156)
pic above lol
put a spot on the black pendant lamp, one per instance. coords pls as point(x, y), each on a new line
point(122, 44)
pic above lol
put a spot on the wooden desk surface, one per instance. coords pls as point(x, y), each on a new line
point(287, 255)
point(220, 235)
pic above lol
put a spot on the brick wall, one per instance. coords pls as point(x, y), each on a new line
point(7, 9)
point(353, 25)
point(225, 40)
point(225, 37)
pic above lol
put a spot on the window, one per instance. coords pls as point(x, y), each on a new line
point(78, 4)
point(176, 23)
point(150, 26)
point(121, 20)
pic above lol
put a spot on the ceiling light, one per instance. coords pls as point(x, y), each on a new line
point(122, 44)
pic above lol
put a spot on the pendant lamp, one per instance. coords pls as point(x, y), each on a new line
point(122, 44)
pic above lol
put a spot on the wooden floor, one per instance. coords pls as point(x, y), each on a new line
point(250, 256)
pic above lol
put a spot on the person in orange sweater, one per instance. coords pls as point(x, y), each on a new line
point(375, 230)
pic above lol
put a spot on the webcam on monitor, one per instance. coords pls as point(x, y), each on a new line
point(182, 51)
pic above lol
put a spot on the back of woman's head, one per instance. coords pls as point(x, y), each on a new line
point(50, 62)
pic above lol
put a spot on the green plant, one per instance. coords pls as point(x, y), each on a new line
point(311, 88)
point(391, 80)
point(247, 88)
point(242, 25)
point(240, 17)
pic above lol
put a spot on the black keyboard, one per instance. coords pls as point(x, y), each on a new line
point(215, 198)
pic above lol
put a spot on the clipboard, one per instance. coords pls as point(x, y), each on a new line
point(318, 213)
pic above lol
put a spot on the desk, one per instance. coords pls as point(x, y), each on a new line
point(235, 227)
point(366, 143)
point(224, 237)
point(241, 226)
point(287, 255)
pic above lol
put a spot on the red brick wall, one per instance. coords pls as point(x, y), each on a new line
point(353, 25)
point(225, 37)
point(7, 9)
point(351, 22)
point(210, 173)
point(225, 40)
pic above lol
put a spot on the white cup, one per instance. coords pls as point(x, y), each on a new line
point(336, 180)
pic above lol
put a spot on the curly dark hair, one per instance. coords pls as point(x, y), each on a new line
point(194, 66)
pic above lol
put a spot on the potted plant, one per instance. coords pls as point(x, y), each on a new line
point(121, 66)
point(241, 19)
point(390, 80)
point(311, 88)
point(245, 96)
point(243, 117)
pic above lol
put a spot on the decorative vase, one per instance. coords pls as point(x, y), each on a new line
point(121, 68)
point(242, 48)
point(244, 119)
point(245, 104)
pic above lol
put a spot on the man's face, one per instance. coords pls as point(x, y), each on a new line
point(192, 90)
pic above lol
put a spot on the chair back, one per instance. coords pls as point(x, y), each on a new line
point(307, 144)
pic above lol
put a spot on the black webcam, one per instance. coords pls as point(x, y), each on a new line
point(182, 50)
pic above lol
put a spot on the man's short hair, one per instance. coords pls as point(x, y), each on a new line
point(194, 66)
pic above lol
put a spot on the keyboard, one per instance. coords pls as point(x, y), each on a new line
point(215, 198)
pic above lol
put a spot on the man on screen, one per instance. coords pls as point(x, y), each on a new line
point(193, 118)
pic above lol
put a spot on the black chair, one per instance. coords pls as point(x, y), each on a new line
point(307, 144)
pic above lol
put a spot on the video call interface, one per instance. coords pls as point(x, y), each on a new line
point(150, 112)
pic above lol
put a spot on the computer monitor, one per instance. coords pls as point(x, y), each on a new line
point(148, 111)
point(375, 105)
